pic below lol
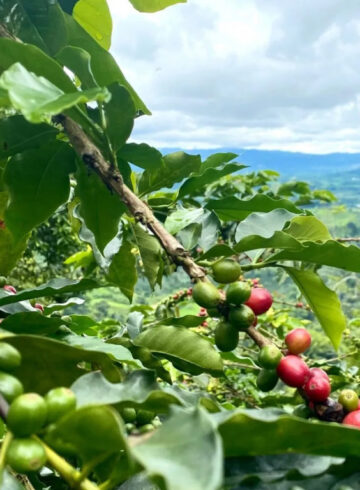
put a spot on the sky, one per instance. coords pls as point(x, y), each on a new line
point(264, 74)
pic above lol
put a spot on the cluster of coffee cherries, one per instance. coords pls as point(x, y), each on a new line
point(28, 414)
point(237, 306)
point(139, 421)
point(12, 290)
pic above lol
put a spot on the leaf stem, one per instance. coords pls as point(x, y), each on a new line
point(259, 265)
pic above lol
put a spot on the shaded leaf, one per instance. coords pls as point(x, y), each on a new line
point(122, 270)
point(181, 218)
point(79, 62)
point(31, 323)
point(186, 350)
point(120, 113)
point(323, 301)
point(150, 252)
point(141, 155)
point(263, 224)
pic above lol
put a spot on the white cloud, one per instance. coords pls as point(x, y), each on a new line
point(250, 73)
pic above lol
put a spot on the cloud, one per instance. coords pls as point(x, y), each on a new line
point(259, 74)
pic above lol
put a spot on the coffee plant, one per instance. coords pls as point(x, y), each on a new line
point(215, 385)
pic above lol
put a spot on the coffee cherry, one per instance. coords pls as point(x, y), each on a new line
point(349, 400)
point(267, 379)
point(144, 417)
point(238, 292)
point(59, 401)
point(10, 387)
point(298, 340)
point(10, 289)
point(25, 455)
point(353, 419)
point(317, 389)
point(260, 300)
point(319, 372)
point(241, 317)
point(27, 414)
point(39, 307)
point(299, 305)
point(226, 271)
point(293, 371)
point(10, 358)
point(128, 414)
point(189, 292)
point(269, 356)
point(175, 296)
point(205, 294)
point(213, 312)
point(204, 324)
point(226, 337)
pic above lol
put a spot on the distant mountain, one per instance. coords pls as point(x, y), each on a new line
point(289, 164)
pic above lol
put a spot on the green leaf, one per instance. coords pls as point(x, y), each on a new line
point(122, 271)
point(115, 352)
point(79, 62)
point(38, 183)
point(103, 65)
point(50, 308)
point(187, 350)
point(188, 321)
point(139, 389)
point(217, 159)
point(94, 16)
point(31, 323)
point(17, 135)
point(234, 209)
point(79, 432)
point(57, 363)
point(270, 431)
point(176, 167)
point(323, 301)
point(55, 287)
point(210, 228)
point(263, 224)
point(190, 235)
point(141, 155)
point(38, 99)
point(181, 218)
point(195, 185)
point(185, 452)
point(308, 228)
point(35, 61)
point(120, 113)
point(151, 255)
point(153, 5)
point(99, 207)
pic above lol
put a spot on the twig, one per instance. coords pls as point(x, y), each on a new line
point(351, 239)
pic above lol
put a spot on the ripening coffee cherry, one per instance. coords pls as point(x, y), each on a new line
point(269, 356)
point(59, 401)
point(10, 387)
point(238, 292)
point(293, 371)
point(226, 271)
point(317, 389)
point(10, 289)
point(25, 455)
point(260, 300)
point(353, 419)
point(205, 294)
point(241, 317)
point(319, 372)
point(349, 400)
point(226, 337)
point(298, 340)
point(10, 358)
point(267, 379)
point(27, 414)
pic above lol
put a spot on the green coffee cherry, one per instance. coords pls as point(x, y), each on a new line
point(241, 317)
point(267, 379)
point(205, 294)
point(10, 387)
point(238, 292)
point(349, 400)
point(226, 337)
point(269, 356)
point(226, 271)
point(25, 455)
point(27, 414)
point(10, 358)
point(59, 401)
point(128, 414)
point(144, 417)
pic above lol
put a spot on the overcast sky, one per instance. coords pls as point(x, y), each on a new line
point(266, 74)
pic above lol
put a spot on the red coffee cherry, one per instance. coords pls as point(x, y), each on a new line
point(260, 300)
point(10, 289)
point(298, 340)
point(319, 372)
point(293, 371)
point(40, 307)
point(317, 388)
point(299, 304)
point(353, 419)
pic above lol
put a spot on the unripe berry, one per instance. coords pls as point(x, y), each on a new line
point(260, 300)
point(10, 289)
point(269, 356)
point(353, 419)
point(317, 389)
point(293, 371)
point(298, 340)
point(349, 400)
